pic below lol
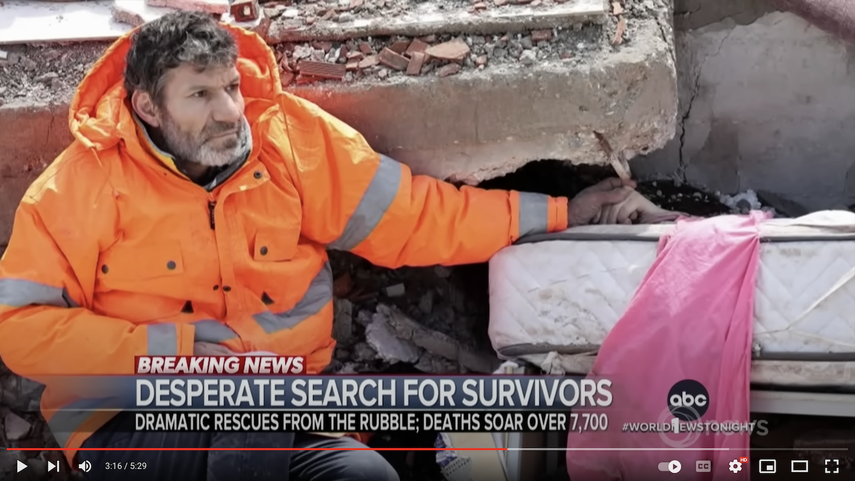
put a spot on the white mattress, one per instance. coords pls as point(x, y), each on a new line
point(554, 298)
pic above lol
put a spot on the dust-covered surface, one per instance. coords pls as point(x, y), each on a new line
point(575, 46)
point(45, 74)
point(350, 18)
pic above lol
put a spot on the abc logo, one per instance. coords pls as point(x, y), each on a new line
point(688, 400)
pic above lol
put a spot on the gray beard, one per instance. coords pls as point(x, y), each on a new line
point(205, 154)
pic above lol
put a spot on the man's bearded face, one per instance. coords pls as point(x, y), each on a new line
point(216, 145)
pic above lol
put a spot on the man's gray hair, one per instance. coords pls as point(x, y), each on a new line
point(173, 40)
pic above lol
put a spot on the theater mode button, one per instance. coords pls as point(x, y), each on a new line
point(672, 467)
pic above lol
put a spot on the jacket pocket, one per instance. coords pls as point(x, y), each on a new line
point(275, 244)
point(148, 261)
point(143, 283)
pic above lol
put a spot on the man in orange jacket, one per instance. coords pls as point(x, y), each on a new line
point(191, 215)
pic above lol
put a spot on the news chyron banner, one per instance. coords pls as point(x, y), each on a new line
point(273, 394)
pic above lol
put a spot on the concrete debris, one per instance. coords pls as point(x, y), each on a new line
point(397, 290)
point(4, 55)
point(342, 320)
point(135, 12)
point(15, 427)
point(218, 7)
point(743, 202)
point(384, 58)
point(388, 346)
point(434, 342)
point(20, 394)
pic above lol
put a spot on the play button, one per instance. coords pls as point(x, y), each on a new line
point(21, 466)
point(674, 466)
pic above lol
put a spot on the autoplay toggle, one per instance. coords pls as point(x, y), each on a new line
point(671, 467)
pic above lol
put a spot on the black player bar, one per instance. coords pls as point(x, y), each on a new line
point(351, 421)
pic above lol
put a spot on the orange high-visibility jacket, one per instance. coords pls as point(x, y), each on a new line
point(115, 254)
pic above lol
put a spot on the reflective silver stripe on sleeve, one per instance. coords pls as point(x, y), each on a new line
point(21, 293)
point(210, 330)
point(320, 293)
point(71, 417)
point(162, 339)
point(534, 213)
point(376, 200)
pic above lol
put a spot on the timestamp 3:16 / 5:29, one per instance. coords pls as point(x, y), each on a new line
point(127, 465)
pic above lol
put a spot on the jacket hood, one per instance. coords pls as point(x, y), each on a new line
point(99, 116)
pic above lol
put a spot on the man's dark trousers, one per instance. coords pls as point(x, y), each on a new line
point(228, 464)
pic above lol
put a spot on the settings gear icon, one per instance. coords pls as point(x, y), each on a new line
point(735, 466)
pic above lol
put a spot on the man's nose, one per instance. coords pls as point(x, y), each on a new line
point(228, 109)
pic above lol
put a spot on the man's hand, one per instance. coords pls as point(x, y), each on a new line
point(210, 349)
point(587, 206)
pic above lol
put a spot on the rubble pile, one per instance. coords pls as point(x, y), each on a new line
point(439, 55)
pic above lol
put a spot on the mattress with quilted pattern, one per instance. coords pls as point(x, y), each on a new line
point(554, 297)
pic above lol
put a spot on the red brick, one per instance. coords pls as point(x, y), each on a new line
point(428, 38)
point(416, 63)
point(449, 69)
point(416, 46)
point(369, 61)
point(392, 60)
point(335, 71)
point(499, 3)
point(286, 78)
point(329, 14)
point(400, 46)
point(365, 48)
point(352, 66)
point(355, 56)
point(453, 50)
point(479, 6)
point(541, 36)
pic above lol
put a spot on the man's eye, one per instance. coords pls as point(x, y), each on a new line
point(234, 87)
point(200, 94)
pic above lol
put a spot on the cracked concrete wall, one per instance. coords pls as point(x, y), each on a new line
point(767, 102)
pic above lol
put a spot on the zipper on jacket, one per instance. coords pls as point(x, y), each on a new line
point(211, 217)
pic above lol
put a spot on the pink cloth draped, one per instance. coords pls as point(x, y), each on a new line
point(690, 320)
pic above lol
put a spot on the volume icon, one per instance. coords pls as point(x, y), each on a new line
point(85, 466)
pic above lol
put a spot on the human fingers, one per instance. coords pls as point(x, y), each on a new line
point(615, 196)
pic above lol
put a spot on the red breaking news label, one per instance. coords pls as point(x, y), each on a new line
point(219, 365)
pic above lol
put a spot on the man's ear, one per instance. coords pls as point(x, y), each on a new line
point(145, 108)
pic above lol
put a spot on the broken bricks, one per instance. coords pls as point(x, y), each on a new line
point(393, 60)
point(454, 50)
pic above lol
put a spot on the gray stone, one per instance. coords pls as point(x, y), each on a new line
point(16, 427)
point(342, 320)
point(380, 336)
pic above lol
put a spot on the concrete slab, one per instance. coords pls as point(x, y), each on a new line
point(24, 21)
point(426, 18)
point(136, 12)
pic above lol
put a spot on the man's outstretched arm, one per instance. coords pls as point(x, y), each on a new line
point(46, 283)
point(357, 200)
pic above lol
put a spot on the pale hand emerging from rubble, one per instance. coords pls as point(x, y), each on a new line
point(588, 205)
point(634, 209)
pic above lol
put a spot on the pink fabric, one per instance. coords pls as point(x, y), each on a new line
point(691, 318)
